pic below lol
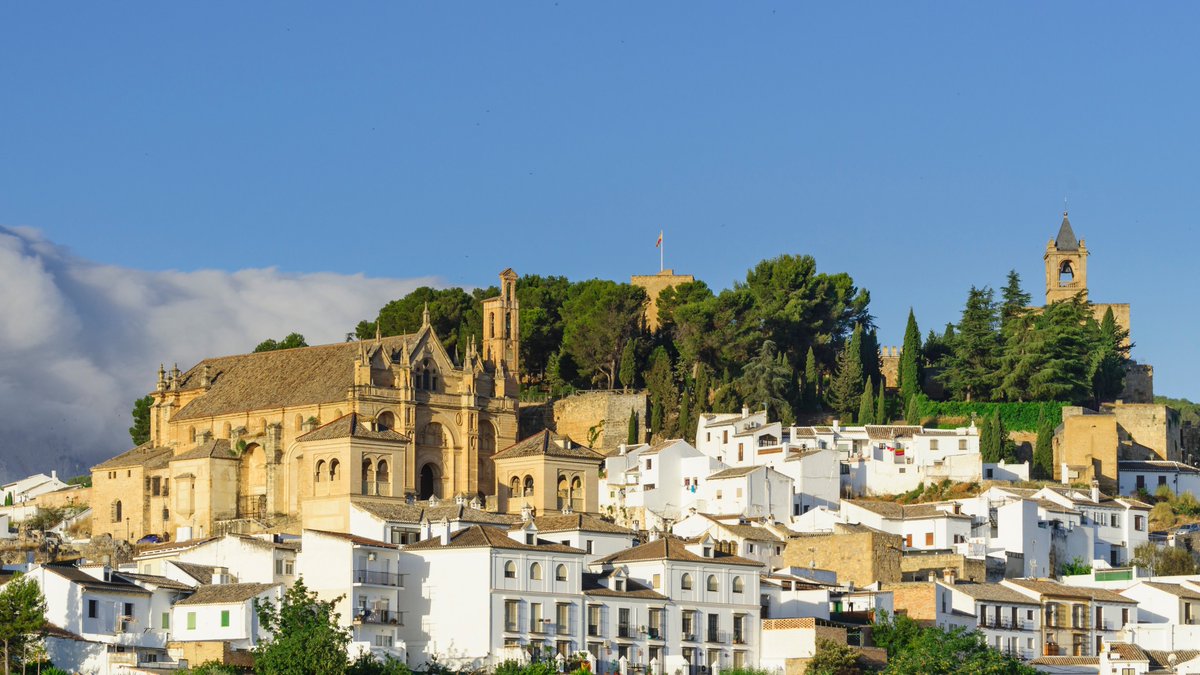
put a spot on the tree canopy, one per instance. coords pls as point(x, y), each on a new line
point(291, 341)
point(304, 635)
point(22, 615)
point(140, 431)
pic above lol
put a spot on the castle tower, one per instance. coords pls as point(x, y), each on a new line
point(502, 334)
point(1066, 265)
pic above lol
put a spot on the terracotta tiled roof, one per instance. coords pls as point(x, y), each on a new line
point(993, 593)
point(276, 379)
point(1128, 652)
point(355, 539)
point(1066, 661)
point(592, 586)
point(1055, 589)
point(217, 448)
point(201, 573)
point(576, 521)
point(478, 536)
point(803, 432)
point(1177, 590)
point(350, 426)
point(142, 455)
point(904, 511)
point(154, 579)
point(402, 512)
point(81, 578)
point(673, 548)
point(1155, 465)
point(1162, 658)
point(547, 444)
point(887, 432)
point(660, 446)
point(734, 472)
point(221, 594)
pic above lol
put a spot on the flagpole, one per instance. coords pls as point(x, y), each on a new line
point(660, 254)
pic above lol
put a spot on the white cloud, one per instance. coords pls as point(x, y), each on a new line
point(79, 341)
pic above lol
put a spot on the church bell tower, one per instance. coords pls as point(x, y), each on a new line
point(502, 335)
point(1066, 265)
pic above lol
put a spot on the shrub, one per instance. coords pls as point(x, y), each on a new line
point(1016, 416)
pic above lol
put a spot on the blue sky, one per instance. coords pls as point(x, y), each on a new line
point(922, 147)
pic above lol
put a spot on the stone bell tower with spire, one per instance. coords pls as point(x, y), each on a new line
point(1066, 265)
point(502, 335)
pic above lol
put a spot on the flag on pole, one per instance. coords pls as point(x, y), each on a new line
point(658, 244)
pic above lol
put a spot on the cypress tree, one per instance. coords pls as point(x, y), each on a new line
point(866, 404)
point(987, 440)
point(881, 416)
point(912, 413)
point(811, 378)
point(656, 418)
point(1005, 449)
point(628, 370)
point(685, 421)
point(1043, 449)
point(871, 363)
point(909, 373)
point(847, 386)
point(633, 428)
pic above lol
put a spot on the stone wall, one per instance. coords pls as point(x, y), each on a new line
point(915, 599)
point(1147, 427)
point(857, 554)
point(967, 569)
point(1086, 443)
point(655, 284)
point(1139, 383)
point(603, 415)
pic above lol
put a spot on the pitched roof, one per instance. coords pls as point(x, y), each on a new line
point(156, 580)
point(1128, 652)
point(402, 512)
point(220, 594)
point(1155, 465)
point(592, 586)
point(576, 521)
point(904, 511)
point(660, 446)
point(734, 472)
point(478, 536)
point(350, 426)
point(673, 548)
point(78, 576)
point(1177, 590)
point(216, 448)
point(887, 432)
point(1066, 241)
point(1055, 589)
point(354, 538)
point(201, 573)
point(276, 379)
point(1066, 661)
point(1162, 658)
point(143, 455)
point(993, 593)
point(548, 444)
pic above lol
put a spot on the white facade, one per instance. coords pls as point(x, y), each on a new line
point(1008, 620)
point(223, 613)
point(1150, 476)
point(750, 491)
point(650, 483)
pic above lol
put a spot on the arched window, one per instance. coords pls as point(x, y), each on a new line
point(712, 582)
point(738, 585)
point(335, 470)
point(560, 573)
point(116, 511)
point(528, 486)
point(514, 487)
point(1066, 273)
point(385, 421)
point(510, 569)
point(491, 324)
point(262, 425)
point(319, 474)
point(368, 471)
point(381, 472)
point(535, 572)
point(686, 582)
point(563, 490)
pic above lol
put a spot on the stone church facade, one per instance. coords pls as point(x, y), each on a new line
point(258, 440)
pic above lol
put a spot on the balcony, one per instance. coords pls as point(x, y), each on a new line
point(593, 630)
point(376, 616)
point(624, 631)
point(1004, 623)
point(251, 506)
point(739, 639)
point(713, 636)
point(375, 578)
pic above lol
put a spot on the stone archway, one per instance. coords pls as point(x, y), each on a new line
point(252, 482)
point(429, 483)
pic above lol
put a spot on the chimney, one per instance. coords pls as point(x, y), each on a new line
point(745, 411)
point(220, 575)
point(621, 449)
point(53, 474)
point(1096, 491)
point(445, 534)
point(426, 529)
point(950, 575)
point(460, 499)
point(526, 513)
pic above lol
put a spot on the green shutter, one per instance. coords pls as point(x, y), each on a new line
point(166, 620)
point(224, 618)
point(191, 621)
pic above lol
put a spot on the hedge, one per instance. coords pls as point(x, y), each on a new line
point(1016, 416)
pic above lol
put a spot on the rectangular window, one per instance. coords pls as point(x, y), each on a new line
point(191, 621)
point(929, 539)
point(279, 566)
point(224, 618)
point(1162, 480)
point(1113, 520)
point(713, 627)
point(655, 580)
point(933, 444)
point(594, 621)
point(623, 623)
point(741, 454)
point(535, 617)
point(689, 625)
point(739, 493)
point(156, 486)
point(511, 608)
point(128, 609)
point(648, 464)
point(562, 613)
point(93, 609)
point(908, 541)
point(725, 436)
point(166, 620)
point(589, 545)
point(1139, 523)
point(289, 568)
point(962, 444)
point(1141, 482)
point(656, 627)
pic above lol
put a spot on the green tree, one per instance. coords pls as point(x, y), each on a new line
point(291, 341)
point(368, 664)
point(685, 410)
point(765, 381)
point(834, 658)
point(633, 428)
point(936, 651)
point(881, 415)
point(305, 635)
point(871, 360)
point(989, 445)
point(1075, 567)
point(971, 367)
point(140, 431)
point(1110, 358)
point(912, 412)
point(628, 365)
point(911, 359)
point(664, 393)
point(541, 299)
point(894, 633)
point(812, 378)
point(1164, 560)
point(1060, 350)
point(8, 499)
point(22, 614)
point(598, 319)
point(1043, 449)
point(454, 315)
point(1014, 301)
point(846, 389)
point(866, 405)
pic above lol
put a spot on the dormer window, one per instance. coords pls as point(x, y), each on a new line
point(707, 551)
point(530, 538)
point(620, 584)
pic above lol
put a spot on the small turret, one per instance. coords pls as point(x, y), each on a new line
point(162, 379)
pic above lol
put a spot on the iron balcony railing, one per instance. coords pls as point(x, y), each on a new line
point(378, 578)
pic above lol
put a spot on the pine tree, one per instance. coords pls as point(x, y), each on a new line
point(1004, 447)
point(1109, 359)
point(1043, 449)
point(1014, 301)
point(881, 416)
point(765, 381)
point(1060, 349)
point(811, 378)
point(912, 413)
point(971, 367)
point(866, 405)
point(847, 386)
point(633, 428)
point(911, 357)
